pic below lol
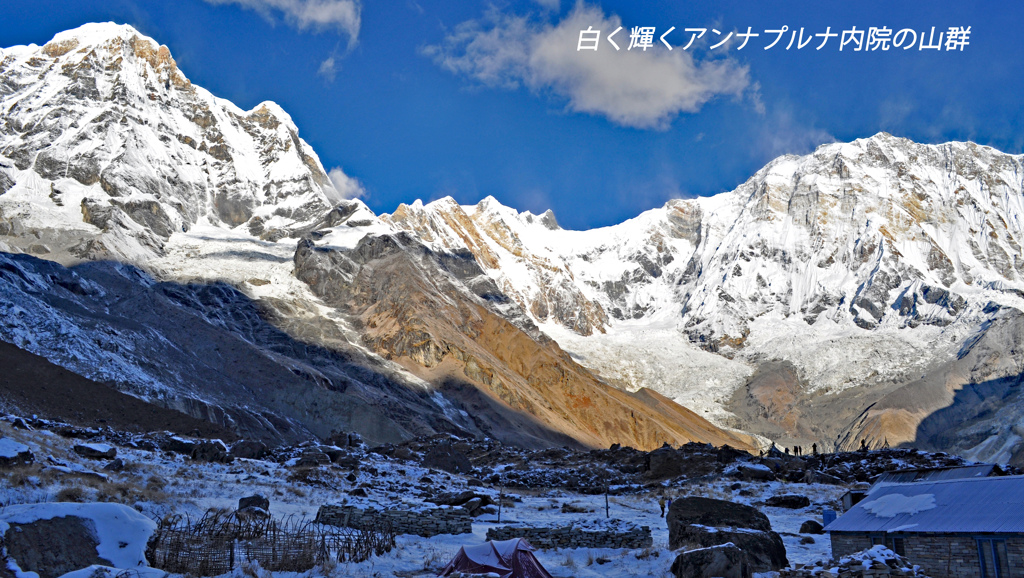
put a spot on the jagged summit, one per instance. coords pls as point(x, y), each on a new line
point(101, 121)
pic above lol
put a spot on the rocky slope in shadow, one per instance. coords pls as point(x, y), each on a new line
point(208, 351)
point(432, 314)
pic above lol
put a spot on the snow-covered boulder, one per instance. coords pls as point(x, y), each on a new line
point(704, 522)
point(95, 451)
point(14, 453)
point(54, 539)
point(724, 561)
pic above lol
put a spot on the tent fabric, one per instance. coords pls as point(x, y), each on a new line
point(507, 558)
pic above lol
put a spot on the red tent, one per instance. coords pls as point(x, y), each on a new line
point(508, 558)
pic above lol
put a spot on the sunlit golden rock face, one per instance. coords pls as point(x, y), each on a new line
point(415, 312)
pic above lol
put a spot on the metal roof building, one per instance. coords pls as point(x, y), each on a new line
point(971, 526)
point(936, 474)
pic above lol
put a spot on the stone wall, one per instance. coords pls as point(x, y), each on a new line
point(425, 523)
point(846, 544)
point(575, 537)
point(939, 555)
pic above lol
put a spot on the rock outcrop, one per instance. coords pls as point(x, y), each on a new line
point(704, 522)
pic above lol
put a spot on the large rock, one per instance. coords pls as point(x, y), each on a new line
point(791, 501)
point(704, 522)
point(714, 513)
point(249, 450)
point(665, 462)
point(54, 539)
point(54, 547)
point(444, 457)
point(211, 451)
point(755, 473)
point(725, 561)
point(812, 527)
point(13, 453)
point(254, 501)
point(95, 451)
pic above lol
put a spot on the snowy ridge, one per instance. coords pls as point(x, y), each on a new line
point(863, 263)
point(102, 123)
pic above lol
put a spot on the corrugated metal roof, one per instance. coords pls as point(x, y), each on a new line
point(991, 504)
point(934, 474)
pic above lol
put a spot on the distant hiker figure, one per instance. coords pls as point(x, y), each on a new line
point(814, 449)
point(661, 503)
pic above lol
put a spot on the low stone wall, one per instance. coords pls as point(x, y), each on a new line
point(575, 537)
point(425, 523)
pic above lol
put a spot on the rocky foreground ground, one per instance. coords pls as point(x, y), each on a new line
point(162, 475)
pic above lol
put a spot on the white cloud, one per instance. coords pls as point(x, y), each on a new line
point(784, 132)
point(629, 87)
point(549, 4)
point(344, 15)
point(328, 69)
point(345, 187)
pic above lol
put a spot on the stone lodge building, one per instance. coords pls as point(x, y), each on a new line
point(956, 528)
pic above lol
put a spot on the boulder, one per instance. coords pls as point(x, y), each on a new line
point(811, 527)
point(254, 501)
point(311, 458)
point(755, 473)
point(95, 451)
point(473, 505)
point(169, 442)
point(704, 522)
point(816, 477)
point(249, 450)
point(714, 513)
point(54, 539)
point(346, 460)
point(115, 465)
point(664, 462)
point(54, 547)
point(444, 457)
point(791, 501)
point(13, 453)
point(724, 561)
point(211, 451)
point(405, 454)
point(461, 499)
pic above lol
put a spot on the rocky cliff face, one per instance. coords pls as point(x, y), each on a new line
point(202, 300)
point(862, 266)
point(441, 317)
point(132, 152)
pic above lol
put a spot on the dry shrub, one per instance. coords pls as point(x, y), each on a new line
point(646, 553)
point(221, 540)
point(71, 494)
point(569, 561)
point(571, 508)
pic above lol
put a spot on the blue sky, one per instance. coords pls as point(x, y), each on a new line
point(427, 98)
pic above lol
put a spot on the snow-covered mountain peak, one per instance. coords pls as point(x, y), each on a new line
point(109, 139)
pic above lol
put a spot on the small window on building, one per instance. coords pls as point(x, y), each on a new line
point(899, 546)
point(878, 540)
point(992, 557)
